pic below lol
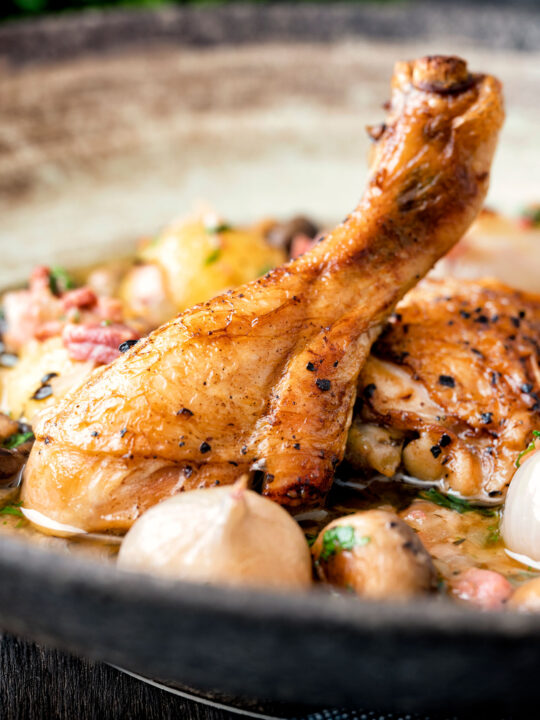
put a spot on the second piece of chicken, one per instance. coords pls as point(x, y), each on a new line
point(451, 391)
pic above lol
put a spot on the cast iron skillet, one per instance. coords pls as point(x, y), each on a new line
point(314, 649)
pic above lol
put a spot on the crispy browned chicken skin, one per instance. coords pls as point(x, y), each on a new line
point(264, 378)
point(451, 391)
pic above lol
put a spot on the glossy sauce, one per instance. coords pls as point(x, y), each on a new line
point(456, 541)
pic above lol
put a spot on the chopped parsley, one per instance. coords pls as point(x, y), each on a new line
point(212, 257)
point(493, 536)
point(451, 502)
point(60, 281)
point(339, 538)
point(310, 537)
point(17, 439)
point(531, 215)
point(216, 229)
point(13, 509)
point(530, 447)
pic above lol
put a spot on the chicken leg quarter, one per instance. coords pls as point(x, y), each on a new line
point(264, 378)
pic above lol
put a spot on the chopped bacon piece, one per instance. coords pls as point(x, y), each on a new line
point(415, 516)
point(39, 313)
point(93, 341)
point(486, 589)
point(80, 298)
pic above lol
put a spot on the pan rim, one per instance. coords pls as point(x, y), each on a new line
point(434, 615)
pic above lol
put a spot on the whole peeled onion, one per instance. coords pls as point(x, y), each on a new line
point(223, 535)
point(520, 528)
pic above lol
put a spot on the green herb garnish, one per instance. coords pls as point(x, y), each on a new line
point(60, 281)
point(458, 541)
point(530, 447)
point(494, 535)
point(214, 255)
point(216, 229)
point(310, 537)
point(531, 215)
point(13, 509)
point(451, 502)
point(17, 439)
point(339, 538)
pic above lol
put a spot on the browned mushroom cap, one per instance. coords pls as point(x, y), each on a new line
point(374, 554)
point(282, 234)
point(16, 442)
point(11, 462)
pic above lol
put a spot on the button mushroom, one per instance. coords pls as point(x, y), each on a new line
point(15, 443)
point(374, 554)
point(8, 427)
point(283, 235)
point(224, 535)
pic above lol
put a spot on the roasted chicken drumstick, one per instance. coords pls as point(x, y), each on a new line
point(264, 378)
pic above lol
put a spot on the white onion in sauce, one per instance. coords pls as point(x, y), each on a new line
point(520, 527)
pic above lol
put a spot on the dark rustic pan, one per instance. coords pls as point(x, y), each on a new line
point(112, 124)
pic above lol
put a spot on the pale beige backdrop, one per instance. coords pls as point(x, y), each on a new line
point(97, 152)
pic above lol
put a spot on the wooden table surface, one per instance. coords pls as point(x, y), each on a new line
point(38, 683)
point(42, 684)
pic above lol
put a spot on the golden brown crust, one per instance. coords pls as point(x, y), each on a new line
point(474, 347)
point(442, 74)
point(268, 372)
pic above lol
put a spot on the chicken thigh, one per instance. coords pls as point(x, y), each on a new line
point(451, 391)
point(264, 378)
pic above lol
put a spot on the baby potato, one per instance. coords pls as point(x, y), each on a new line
point(41, 364)
point(374, 554)
point(197, 259)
